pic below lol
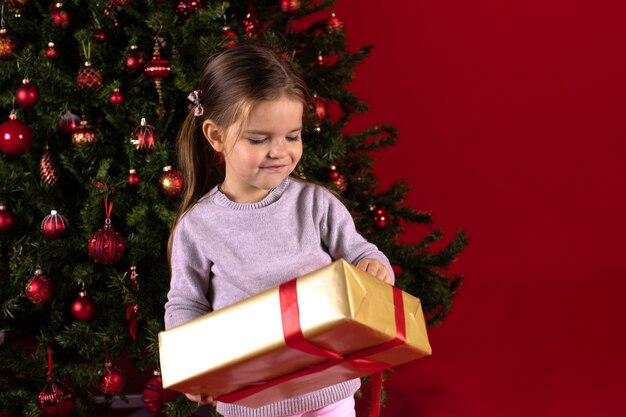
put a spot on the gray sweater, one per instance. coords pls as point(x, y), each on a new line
point(224, 252)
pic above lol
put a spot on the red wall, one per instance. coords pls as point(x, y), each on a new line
point(512, 126)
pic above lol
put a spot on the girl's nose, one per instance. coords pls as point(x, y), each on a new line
point(278, 148)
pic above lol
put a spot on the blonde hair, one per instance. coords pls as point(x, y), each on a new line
point(232, 83)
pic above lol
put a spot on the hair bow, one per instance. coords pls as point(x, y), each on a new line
point(194, 97)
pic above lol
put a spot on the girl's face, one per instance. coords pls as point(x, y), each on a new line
point(261, 156)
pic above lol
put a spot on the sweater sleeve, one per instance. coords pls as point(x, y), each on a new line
point(339, 235)
point(190, 278)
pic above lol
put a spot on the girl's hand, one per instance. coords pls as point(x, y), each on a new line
point(201, 399)
point(376, 268)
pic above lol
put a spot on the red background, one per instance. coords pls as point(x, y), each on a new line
point(512, 126)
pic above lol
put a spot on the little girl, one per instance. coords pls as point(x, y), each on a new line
point(245, 225)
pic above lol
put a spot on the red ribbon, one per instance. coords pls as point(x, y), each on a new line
point(294, 338)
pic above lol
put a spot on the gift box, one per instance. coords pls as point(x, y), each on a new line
point(326, 327)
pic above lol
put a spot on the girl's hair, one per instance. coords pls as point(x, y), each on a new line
point(233, 82)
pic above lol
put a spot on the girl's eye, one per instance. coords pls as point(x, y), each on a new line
point(293, 138)
point(257, 141)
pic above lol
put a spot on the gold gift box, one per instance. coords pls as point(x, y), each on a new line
point(342, 309)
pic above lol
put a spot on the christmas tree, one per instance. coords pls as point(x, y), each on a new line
point(92, 94)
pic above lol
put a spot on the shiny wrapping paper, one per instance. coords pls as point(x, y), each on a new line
point(239, 354)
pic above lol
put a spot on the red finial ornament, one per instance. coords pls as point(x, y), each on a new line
point(157, 69)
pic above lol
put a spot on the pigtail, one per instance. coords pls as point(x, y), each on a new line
point(201, 166)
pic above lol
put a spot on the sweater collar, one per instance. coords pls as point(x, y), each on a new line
point(221, 199)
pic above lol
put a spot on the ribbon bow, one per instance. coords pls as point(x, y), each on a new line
point(194, 97)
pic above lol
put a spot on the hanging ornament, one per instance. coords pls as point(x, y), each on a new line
point(99, 35)
point(230, 37)
point(133, 178)
point(83, 307)
point(7, 46)
point(106, 246)
point(290, 6)
point(88, 77)
point(39, 289)
point(68, 123)
point(6, 219)
point(51, 52)
point(60, 15)
point(47, 172)
point(16, 6)
point(15, 136)
point(84, 133)
point(171, 181)
point(155, 396)
point(333, 24)
point(27, 94)
point(132, 310)
point(186, 7)
point(54, 225)
point(381, 218)
point(116, 98)
point(135, 59)
point(157, 69)
point(338, 180)
point(112, 381)
point(319, 105)
point(144, 136)
point(55, 399)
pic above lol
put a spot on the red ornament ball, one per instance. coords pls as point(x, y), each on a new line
point(334, 174)
point(381, 218)
point(106, 246)
point(135, 59)
point(7, 46)
point(39, 289)
point(341, 183)
point(15, 136)
point(60, 15)
point(116, 98)
point(155, 396)
point(27, 94)
point(51, 52)
point(88, 77)
point(68, 123)
point(84, 134)
point(84, 307)
point(6, 219)
point(54, 225)
point(55, 399)
point(112, 381)
point(144, 136)
point(171, 182)
point(133, 178)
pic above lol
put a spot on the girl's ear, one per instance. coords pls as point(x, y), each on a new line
point(214, 134)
